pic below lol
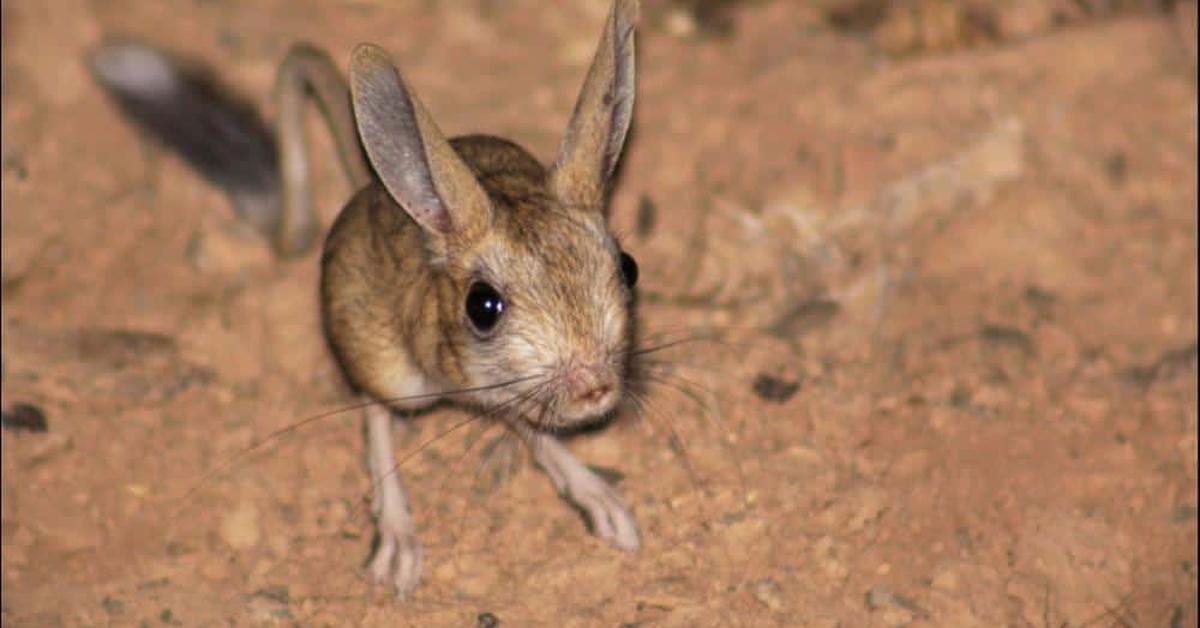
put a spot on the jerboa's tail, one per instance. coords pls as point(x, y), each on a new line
point(184, 108)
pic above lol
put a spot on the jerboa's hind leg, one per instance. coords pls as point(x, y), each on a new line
point(308, 71)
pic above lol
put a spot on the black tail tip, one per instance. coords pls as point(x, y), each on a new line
point(188, 110)
point(133, 69)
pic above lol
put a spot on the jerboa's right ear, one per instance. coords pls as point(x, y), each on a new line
point(592, 145)
point(412, 158)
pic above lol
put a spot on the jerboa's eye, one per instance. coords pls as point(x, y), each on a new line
point(484, 306)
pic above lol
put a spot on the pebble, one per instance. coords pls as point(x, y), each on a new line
point(267, 610)
point(945, 580)
point(774, 389)
point(24, 417)
point(768, 593)
point(871, 504)
point(894, 610)
point(239, 528)
point(16, 556)
point(681, 24)
point(214, 569)
point(278, 543)
point(70, 532)
point(23, 537)
point(897, 617)
point(879, 597)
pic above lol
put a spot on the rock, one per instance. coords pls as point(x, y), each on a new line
point(23, 537)
point(239, 528)
point(870, 505)
point(214, 569)
point(768, 593)
point(894, 609)
point(68, 532)
point(945, 580)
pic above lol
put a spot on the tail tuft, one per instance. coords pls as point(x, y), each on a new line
point(184, 108)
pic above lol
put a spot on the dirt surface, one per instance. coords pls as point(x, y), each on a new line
point(949, 294)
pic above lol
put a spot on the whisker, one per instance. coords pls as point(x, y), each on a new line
point(674, 343)
point(518, 426)
point(473, 501)
point(694, 392)
point(508, 422)
point(683, 386)
point(496, 410)
point(676, 439)
point(693, 476)
point(274, 435)
point(458, 391)
point(475, 416)
point(716, 335)
point(710, 411)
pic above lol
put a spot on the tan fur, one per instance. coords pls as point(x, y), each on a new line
point(401, 258)
point(395, 320)
point(431, 218)
point(442, 215)
point(399, 261)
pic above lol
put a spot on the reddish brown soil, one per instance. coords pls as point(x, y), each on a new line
point(978, 266)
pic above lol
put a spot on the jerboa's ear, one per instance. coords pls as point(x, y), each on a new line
point(412, 158)
point(596, 133)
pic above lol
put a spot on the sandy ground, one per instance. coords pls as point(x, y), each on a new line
point(950, 291)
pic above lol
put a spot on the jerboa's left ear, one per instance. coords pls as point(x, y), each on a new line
point(592, 145)
point(415, 162)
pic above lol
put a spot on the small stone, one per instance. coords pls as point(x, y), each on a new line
point(869, 507)
point(879, 597)
point(260, 570)
point(768, 593)
point(897, 617)
point(69, 533)
point(278, 593)
point(804, 455)
point(214, 569)
point(112, 606)
point(681, 24)
point(222, 251)
point(446, 571)
point(23, 537)
point(16, 556)
point(945, 580)
point(239, 528)
point(989, 396)
point(278, 545)
point(895, 610)
point(775, 389)
point(1183, 513)
point(267, 610)
point(835, 569)
point(24, 417)
point(1116, 166)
